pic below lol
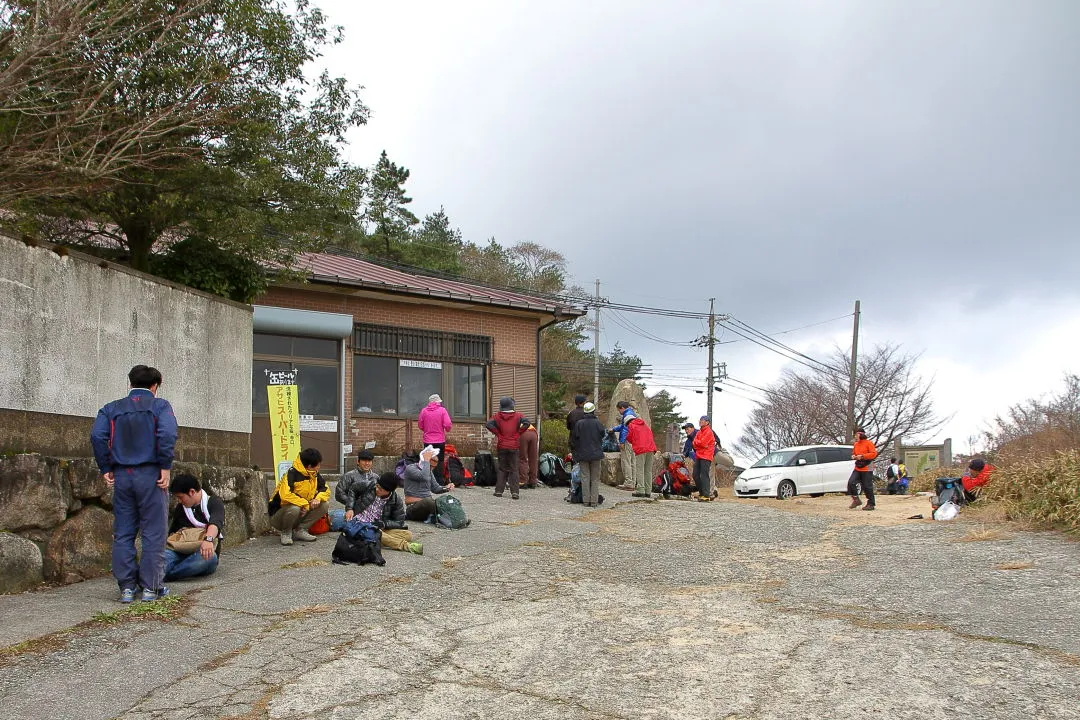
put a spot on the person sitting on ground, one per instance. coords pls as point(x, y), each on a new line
point(977, 475)
point(302, 498)
point(420, 484)
point(376, 501)
point(195, 508)
point(356, 482)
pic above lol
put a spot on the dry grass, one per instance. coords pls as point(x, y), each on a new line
point(1014, 566)
point(311, 562)
point(983, 534)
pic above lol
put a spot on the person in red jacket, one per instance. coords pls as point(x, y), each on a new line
point(863, 454)
point(704, 451)
point(978, 474)
point(640, 437)
point(507, 428)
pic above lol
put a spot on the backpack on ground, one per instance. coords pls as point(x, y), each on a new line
point(449, 513)
point(610, 443)
point(455, 469)
point(575, 497)
point(407, 459)
point(484, 469)
point(552, 471)
point(675, 480)
point(358, 544)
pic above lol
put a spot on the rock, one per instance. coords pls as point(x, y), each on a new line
point(34, 492)
point(85, 478)
point(81, 548)
point(252, 498)
point(611, 472)
point(20, 563)
point(634, 394)
point(236, 528)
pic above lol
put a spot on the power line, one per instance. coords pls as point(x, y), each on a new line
point(782, 345)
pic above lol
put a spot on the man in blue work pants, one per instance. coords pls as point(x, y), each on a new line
point(134, 439)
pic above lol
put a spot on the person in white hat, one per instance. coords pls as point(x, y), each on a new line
point(587, 439)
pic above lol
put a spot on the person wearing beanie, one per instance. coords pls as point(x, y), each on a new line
point(587, 439)
point(434, 422)
point(506, 426)
point(704, 450)
point(576, 414)
point(862, 476)
point(977, 475)
point(374, 499)
point(528, 454)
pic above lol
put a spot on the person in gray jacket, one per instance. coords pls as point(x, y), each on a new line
point(420, 485)
point(586, 440)
point(355, 483)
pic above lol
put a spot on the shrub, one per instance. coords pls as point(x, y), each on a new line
point(554, 437)
point(1041, 489)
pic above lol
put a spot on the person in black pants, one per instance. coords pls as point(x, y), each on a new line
point(420, 487)
point(863, 454)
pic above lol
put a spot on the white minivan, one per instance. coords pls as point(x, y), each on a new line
point(802, 470)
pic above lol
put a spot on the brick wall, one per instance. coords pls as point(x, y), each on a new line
point(513, 341)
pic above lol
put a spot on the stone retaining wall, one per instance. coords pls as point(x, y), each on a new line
point(56, 516)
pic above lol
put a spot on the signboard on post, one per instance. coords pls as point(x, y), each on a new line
point(284, 397)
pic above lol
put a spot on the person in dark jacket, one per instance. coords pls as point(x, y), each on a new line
point(506, 425)
point(194, 508)
point(587, 439)
point(377, 502)
point(133, 440)
point(420, 485)
point(688, 447)
point(576, 414)
point(353, 483)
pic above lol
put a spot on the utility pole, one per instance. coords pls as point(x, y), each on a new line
point(712, 344)
point(596, 348)
point(851, 378)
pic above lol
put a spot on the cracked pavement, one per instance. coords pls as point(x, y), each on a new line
point(642, 610)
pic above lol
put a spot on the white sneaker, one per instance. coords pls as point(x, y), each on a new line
point(286, 538)
point(303, 536)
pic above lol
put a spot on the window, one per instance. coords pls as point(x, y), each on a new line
point(810, 456)
point(316, 362)
point(468, 390)
point(375, 385)
point(834, 454)
point(421, 344)
point(399, 386)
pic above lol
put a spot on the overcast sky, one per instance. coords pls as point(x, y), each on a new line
point(786, 158)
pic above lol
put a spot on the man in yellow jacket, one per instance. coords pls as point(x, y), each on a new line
point(302, 497)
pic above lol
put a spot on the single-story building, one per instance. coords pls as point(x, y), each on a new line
point(371, 343)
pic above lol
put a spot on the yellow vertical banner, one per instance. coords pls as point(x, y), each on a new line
point(284, 421)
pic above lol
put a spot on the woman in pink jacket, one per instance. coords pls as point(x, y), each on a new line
point(434, 422)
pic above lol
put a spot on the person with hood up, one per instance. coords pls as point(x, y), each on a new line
point(506, 425)
point(434, 422)
point(704, 450)
point(587, 439)
point(528, 454)
point(863, 454)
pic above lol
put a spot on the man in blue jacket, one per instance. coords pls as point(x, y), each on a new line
point(133, 439)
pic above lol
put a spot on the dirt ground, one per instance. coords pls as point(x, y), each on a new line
point(890, 509)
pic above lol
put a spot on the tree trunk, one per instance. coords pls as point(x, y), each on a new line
point(140, 241)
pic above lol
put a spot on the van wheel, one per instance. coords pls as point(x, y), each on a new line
point(785, 490)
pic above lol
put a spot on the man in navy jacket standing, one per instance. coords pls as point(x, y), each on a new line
point(134, 438)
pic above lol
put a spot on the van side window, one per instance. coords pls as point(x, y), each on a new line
point(834, 454)
point(810, 456)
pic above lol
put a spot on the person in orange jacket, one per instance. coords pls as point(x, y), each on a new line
point(704, 443)
point(863, 454)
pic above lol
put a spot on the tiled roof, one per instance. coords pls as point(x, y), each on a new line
point(347, 270)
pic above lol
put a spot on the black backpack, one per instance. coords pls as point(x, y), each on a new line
point(574, 497)
point(610, 443)
point(359, 544)
point(455, 469)
point(484, 470)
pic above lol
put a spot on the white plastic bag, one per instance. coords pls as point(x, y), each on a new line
point(947, 511)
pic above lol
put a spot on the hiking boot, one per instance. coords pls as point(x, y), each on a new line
point(286, 538)
point(415, 548)
point(515, 496)
point(127, 595)
point(149, 595)
point(498, 494)
point(855, 502)
point(704, 498)
point(303, 536)
point(868, 507)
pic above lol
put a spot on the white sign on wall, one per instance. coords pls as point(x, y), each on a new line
point(421, 364)
point(309, 424)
